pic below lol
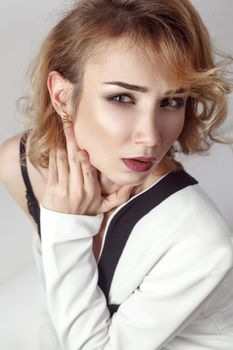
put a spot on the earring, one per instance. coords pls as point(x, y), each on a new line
point(65, 118)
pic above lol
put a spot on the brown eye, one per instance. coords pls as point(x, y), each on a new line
point(174, 103)
point(121, 98)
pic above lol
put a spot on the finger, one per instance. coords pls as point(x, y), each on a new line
point(76, 177)
point(116, 199)
point(125, 192)
point(62, 167)
point(90, 179)
point(71, 143)
point(52, 168)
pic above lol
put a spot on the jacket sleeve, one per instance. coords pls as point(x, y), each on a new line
point(168, 298)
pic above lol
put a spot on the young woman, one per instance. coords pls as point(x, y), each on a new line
point(131, 252)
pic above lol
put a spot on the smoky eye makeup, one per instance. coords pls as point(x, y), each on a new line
point(173, 102)
point(121, 98)
point(125, 99)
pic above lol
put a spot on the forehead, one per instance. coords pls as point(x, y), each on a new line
point(121, 60)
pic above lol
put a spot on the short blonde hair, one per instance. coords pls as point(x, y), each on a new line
point(171, 28)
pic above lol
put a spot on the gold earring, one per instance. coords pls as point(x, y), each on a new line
point(65, 117)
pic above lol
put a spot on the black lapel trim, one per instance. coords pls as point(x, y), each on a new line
point(126, 218)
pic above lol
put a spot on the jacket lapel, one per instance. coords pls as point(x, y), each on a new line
point(126, 218)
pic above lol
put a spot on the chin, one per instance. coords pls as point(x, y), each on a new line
point(128, 179)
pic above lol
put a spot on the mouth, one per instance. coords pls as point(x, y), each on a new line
point(137, 164)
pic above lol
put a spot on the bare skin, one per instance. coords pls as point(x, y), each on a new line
point(139, 123)
point(9, 157)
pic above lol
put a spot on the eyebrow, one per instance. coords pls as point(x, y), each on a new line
point(141, 88)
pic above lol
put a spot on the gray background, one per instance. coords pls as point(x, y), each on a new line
point(23, 25)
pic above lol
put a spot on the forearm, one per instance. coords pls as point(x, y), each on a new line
point(71, 274)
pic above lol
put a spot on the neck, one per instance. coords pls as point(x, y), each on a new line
point(108, 187)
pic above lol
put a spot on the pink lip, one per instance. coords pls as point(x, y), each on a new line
point(144, 158)
point(137, 164)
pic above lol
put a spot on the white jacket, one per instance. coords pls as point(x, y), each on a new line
point(170, 281)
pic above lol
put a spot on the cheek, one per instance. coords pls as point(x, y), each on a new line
point(93, 132)
point(179, 128)
point(173, 129)
point(100, 127)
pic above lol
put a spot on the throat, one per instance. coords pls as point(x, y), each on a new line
point(107, 186)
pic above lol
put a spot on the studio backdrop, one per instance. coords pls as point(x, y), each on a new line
point(23, 25)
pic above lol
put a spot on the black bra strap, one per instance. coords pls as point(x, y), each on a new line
point(23, 165)
point(32, 202)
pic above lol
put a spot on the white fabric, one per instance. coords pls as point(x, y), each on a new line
point(47, 337)
point(174, 279)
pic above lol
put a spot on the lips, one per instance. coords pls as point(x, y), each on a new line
point(145, 159)
point(138, 164)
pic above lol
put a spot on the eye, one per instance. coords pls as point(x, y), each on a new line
point(121, 98)
point(174, 103)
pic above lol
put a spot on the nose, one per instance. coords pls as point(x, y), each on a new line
point(148, 131)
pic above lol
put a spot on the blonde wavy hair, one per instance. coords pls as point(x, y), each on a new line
point(171, 28)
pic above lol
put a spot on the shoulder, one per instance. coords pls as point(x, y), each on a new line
point(202, 212)
point(10, 172)
point(190, 219)
point(188, 228)
point(9, 158)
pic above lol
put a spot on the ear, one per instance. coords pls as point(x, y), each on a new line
point(60, 91)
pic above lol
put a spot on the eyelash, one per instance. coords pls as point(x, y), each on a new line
point(113, 98)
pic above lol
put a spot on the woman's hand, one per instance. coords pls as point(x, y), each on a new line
point(72, 185)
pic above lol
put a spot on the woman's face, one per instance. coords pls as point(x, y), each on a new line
point(116, 121)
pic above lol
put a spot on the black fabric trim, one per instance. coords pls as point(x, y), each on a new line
point(113, 308)
point(123, 222)
point(32, 202)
